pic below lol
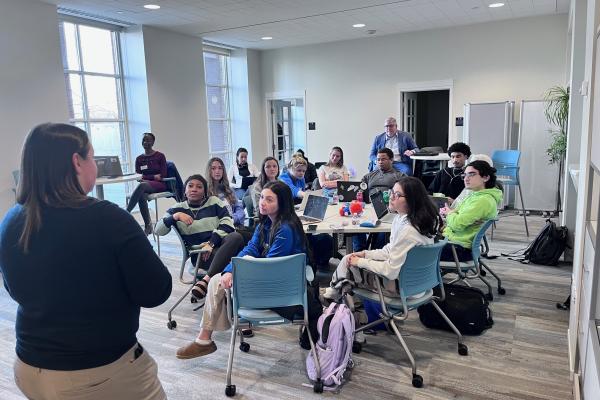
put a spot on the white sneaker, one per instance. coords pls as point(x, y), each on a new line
point(360, 337)
point(331, 293)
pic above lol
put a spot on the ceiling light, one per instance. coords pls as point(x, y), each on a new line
point(152, 6)
point(496, 5)
point(358, 25)
point(266, 38)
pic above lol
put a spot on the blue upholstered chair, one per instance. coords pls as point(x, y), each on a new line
point(419, 275)
point(260, 284)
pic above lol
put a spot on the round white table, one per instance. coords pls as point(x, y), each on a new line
point(100, 182)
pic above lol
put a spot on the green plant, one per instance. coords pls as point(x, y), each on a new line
point(557, 113)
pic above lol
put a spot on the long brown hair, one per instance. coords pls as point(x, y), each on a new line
point(213, 189)
point(48, 177)
point(262, 178)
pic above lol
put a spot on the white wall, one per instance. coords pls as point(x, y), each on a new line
point(177, 98)
point(351, 86)
point(32, 85)
point(257, 109)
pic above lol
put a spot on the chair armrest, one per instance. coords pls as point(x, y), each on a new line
point(310, 276)
point(168, 179)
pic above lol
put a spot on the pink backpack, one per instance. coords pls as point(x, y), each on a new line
point(334, 347)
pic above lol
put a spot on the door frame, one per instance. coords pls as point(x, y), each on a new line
point(427, 86)
point(283, 95)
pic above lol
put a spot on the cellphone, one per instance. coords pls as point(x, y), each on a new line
point(312, 227)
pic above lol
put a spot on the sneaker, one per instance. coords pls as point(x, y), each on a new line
point(359, 337)
point(331, 293)
point(193, 350)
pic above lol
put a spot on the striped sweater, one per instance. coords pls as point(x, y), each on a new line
point(212, 222)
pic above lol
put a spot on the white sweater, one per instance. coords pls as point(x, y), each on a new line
point(235, 180)
point(388, 260)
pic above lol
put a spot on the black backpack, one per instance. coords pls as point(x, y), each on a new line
point(466, 307)
point(546, 248)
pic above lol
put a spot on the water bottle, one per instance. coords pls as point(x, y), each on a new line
point(355, 220)
point(386, 197)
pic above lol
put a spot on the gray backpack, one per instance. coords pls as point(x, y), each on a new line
point(334, 347)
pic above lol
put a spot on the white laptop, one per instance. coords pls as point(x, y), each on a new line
point(314, 212)
point(302, 205)
point(383, 213)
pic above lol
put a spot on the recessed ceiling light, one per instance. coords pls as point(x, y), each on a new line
point(151, 6)
point(266, 38)
point(496, 5)
point(120, 12)
point(358, 25)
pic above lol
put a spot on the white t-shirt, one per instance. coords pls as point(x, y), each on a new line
point(333, 173)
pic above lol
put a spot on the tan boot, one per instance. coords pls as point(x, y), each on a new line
point(193, 350)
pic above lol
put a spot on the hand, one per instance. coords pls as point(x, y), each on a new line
point(157, 177)
point(409, 153)
point(360, 254)
point(227, 280)
point(183, 217)
point(353, 261)
point(207, 251)
point(444, 211)
point(300, 194)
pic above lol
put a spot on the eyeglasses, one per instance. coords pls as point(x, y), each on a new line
point(389, 125)
point(395, 194)
point(469, 175)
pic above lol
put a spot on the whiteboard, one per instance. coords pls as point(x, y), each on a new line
point(488, 126)
point(539, 179)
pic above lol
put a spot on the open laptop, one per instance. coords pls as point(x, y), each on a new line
point(383, 214)
point(302, 205)
point(347, 190)
point(109, 166)
point(247, 181)
point(439, 201)
point(314, 212)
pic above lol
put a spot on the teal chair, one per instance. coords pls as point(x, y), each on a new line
point(507, 167)
point(260, 284)
point(419, 275)
point(476, 268)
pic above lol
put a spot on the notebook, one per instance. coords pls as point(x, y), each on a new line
point(247, 181)
point(314, 212)
point(383, 213)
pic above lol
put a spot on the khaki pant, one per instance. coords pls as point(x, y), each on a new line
point(127, 378)
point(214, 315)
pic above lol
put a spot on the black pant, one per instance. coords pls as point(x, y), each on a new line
point(463, 254)
point(139, 197)
point(315, 309)
point(231, 245)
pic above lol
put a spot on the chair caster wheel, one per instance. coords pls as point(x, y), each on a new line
point(230, 390)
point(417, 381)
point(501, 291)
point(318, 386)
point(245, 347)
point(356, 347)
point(489, 296)
point(463, 350)
point(482, 273)
point(172, 324)
point(193, 299)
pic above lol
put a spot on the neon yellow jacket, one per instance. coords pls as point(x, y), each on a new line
point(463, 223)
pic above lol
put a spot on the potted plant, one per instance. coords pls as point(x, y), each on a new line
point(557, 114)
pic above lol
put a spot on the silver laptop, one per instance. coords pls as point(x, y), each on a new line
point(109, 167)
point(302, 206)
point(383, 213)
point(314, 212)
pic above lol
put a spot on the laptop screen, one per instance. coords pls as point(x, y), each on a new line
point(316, 206)
point(378, 204)
point(108, 166)
point(439, 202)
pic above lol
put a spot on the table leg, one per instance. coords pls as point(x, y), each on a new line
point(349, 246)
point(100, 192)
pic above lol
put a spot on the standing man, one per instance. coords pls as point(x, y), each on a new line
point(401, 143)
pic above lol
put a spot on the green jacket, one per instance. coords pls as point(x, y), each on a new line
point(463, 223)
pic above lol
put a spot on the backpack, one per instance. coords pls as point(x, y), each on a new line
point(334, 347)
point(466, 307)
point(546, 248)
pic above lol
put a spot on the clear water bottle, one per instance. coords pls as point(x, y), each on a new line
point(355, 219)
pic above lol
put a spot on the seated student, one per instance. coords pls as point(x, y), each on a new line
point(278, 234)
point(218, 185)
point(269, 172)
point(294, 177)
point(240, 169)
point(152, 165)
point(449, 180)
point(416, 223)
point(311, 170)
point(400, 143)
point(334, 170)
point(463, 222)
point(203, 219)
point(466, 192)
point(380, 180)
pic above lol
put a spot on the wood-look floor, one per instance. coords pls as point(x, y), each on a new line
point(524, 355)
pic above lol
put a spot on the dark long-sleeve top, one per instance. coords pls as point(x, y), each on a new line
point(448, 181)
point(81, 285)
point(286, 241)
point(212, 222)
point(148, 166)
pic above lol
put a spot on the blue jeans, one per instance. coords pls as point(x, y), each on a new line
point(403, 167)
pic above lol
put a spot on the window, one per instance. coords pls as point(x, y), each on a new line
point(216, 71)
point(93, 78)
